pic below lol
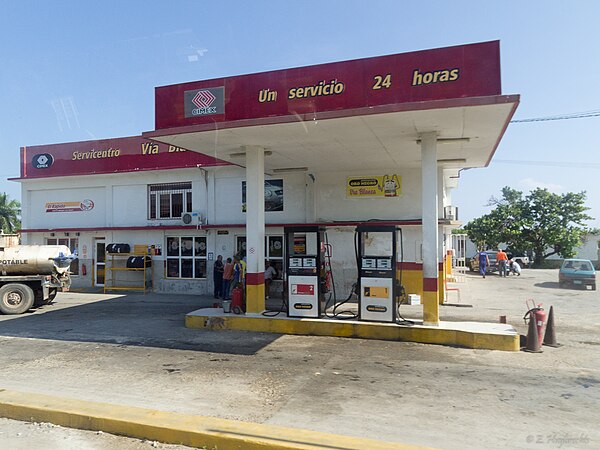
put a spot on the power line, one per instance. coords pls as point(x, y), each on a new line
point(579, 115)
point(575, 165)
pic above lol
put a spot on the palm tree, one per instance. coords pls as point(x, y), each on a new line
point(9, 214)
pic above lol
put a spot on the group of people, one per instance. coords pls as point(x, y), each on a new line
point(227, 275)
point(231, 273)
point(505, 266)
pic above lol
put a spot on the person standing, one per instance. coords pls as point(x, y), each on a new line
point(237, 271)
point(218, 269)
point(270, 274)
point(244, 272)
point(227, 279)
point(484, 262)
point(502, 262)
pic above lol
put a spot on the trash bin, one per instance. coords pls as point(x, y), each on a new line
point(226, 306)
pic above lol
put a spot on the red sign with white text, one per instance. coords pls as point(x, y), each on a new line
point(129, 154)
point(454, 72)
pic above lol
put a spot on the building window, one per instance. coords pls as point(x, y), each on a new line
point(73, 244)
point(186, 257)
point(274, 253)
point(170, 200)
point(240, 246)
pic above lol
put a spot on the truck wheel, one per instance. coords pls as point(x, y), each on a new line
point(16, 298)
point(39, 297)
point(594, 287)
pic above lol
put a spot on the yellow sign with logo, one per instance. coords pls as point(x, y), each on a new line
point(374, 186)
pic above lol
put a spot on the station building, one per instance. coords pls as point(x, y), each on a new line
point(232, 161)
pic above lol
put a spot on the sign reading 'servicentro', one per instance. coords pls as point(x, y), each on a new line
point(454, 72)
point(128, 154)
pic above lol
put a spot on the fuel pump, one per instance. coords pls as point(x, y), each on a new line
point(378, 285)
point(305, 270)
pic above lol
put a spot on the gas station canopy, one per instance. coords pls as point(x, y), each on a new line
point(361, 114)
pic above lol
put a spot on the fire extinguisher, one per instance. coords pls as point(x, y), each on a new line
point(538, 314)
point(237, 300)
point(83, 269)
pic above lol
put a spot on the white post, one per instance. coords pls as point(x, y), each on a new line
point(255, 229)
point(429, 205)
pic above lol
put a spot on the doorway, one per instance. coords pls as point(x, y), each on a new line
point(100, 262)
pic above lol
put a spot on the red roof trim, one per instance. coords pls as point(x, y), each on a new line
point(414, 222)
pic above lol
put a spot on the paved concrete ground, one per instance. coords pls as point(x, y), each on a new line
point(134, 350)
point(16, 435)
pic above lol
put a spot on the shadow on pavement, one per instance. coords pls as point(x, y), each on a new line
point(154, 320)
point(548, 284)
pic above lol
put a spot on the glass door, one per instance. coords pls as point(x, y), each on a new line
point(100, 262)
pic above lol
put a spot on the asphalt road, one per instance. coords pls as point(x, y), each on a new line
point(134, 350)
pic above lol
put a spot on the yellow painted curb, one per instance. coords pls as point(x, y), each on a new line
point(364, 330)
point(174, 428)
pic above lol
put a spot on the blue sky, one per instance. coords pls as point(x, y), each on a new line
point(74, 70)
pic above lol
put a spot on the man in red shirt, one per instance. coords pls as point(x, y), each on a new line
point(502, 262)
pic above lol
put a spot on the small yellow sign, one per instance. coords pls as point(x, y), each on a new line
point(374, 186)
point(376, 292)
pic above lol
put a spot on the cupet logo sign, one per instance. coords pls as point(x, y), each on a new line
point(42, 161)
point(203, 102)
point(85, 205)
point(204, 99)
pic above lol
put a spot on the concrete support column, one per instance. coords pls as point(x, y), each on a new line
point(429, 207)
point(255, 229)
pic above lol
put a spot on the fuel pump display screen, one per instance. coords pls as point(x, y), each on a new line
point(369, 263)
point(295, 262)
point(309, 262)
point(384, 264)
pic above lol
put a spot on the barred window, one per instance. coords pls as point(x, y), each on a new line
point(186, 257)
point(73, 244)
point(169, 200)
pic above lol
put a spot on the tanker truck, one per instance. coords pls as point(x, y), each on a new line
point(31, 275)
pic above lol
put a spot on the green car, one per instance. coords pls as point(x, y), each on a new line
point(577, 272)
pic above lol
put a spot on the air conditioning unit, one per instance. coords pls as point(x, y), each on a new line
point(451, 213)
point(191, 218)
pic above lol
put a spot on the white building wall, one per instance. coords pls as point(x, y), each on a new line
point(228, 197)
point(121, 201)
point(333, 205)
point(38, 217)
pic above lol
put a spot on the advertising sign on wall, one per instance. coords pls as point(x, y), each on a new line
point(374, 186)
point(85, 205)
point(273, 195)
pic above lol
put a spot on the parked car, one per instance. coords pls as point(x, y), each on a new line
point(521, 259)
point(577, 272)
point(493, 267)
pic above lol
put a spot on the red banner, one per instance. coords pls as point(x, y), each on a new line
point(129, 154)
point(454, 72)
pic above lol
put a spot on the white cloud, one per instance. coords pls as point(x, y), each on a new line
point(529, 184)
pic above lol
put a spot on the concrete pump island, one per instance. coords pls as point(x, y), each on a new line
point(339, 175)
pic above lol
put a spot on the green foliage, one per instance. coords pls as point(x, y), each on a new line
point(542, 222)
point(10, 211)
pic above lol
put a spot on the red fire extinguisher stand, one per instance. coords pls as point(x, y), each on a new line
point(538, 314)
point(237, 300)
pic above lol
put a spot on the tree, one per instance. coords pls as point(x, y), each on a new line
point(542, 222)
point(9, 214)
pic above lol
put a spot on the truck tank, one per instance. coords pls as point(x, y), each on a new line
point(36, 260)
